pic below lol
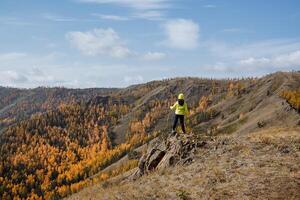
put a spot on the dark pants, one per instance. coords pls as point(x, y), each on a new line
point(181, 118)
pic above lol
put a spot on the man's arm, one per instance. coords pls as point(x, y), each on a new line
point(174, 106)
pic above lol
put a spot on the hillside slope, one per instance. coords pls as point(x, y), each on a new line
point(252, 151)
point(56, 141)
point(19, 104)
point(258, 165)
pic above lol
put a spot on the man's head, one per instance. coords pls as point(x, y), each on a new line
point(180, 96)
point(181, 99)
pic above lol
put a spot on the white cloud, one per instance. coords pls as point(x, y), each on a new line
point(181, 34)
point(10, 78)
point(11, 56)
point(255, 58)
point(142, 9)
point(99, 42)
point(153, 56)
point(255, 62)
point(23, 60)
point(240, 51)
point(258, 65)
point(18, 69)
point(150, 15)
point(34, 76)
point(111, 17)
point(135, 4)
point(291, 59)
point(57, 18)
point(145, 14)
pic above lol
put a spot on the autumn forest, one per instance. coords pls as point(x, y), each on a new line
point(56, 141)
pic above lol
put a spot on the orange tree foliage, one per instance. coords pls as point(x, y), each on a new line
point(30, 101)
point(235, 88)
point(52, 154)
point(148, 116)
point(293, 98)
point(204, 102)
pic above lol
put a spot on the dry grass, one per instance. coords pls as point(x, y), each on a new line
point(255, 166)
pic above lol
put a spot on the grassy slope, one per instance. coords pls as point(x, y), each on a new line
point(259, 165)
point(243, 161)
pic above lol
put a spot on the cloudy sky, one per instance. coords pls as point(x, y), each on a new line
point(115, 43)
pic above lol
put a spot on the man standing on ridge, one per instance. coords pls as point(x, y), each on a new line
point(181, 109)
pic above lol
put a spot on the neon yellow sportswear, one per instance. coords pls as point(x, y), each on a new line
point(180, 110)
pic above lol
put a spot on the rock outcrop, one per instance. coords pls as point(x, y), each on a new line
point(175, 150)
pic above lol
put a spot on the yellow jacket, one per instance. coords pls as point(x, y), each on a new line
point(180, 110)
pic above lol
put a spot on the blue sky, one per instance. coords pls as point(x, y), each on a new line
point(116, 43)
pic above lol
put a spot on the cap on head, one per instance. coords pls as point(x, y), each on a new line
point(181, 96)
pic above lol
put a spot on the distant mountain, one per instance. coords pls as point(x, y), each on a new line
point(56, 141)
point(18, 104)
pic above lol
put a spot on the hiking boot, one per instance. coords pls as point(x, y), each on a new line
point(173, 132)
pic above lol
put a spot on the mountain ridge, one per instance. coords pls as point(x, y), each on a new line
point(86, 131)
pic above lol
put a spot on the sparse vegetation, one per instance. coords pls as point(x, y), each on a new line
point(228, 129)
point(293, 98)
point(184, 195)
point(232, 127)
point(261, 124)
point(229, 167)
